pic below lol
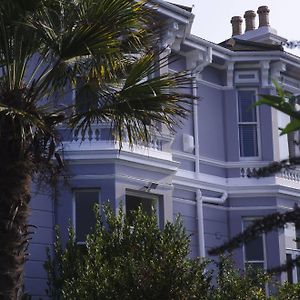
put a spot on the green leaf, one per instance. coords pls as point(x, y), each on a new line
point(294, 125)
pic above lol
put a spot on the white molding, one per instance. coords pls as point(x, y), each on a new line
point(213, 85)
point(247, 208)
point(219, 163)
point(185, 201)
point(254, 79)
point(134, 159)
point(123, 178)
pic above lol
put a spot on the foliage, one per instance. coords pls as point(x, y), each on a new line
point(238, 285)
point(286, 103)
point(124, 260)
point(134, 259)
point(288, 291)
point(107, 50)
point(266, 224)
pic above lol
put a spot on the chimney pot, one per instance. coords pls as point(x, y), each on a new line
point(263, 13)
point(250, 20)
point(236, 22)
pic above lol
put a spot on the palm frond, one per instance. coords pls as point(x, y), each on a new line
point(141, 98)
point(286, 103)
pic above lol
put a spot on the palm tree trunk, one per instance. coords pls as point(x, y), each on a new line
point(15, 179)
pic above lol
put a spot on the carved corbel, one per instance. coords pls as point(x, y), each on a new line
point(276, 69)
point(264, 67)
point(230, 70)
point(173, 37)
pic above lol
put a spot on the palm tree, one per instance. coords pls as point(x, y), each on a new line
point(45, 47)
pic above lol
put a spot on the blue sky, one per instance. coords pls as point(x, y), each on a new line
point(212, 18)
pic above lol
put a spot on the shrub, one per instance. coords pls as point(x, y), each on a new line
point(123, 260)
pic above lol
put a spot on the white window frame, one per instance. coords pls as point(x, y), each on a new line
point(74, 206)
point(294, 253)
point(252, 219)
point(145, 195)
point(257, 123)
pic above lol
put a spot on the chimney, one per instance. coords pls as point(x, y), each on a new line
point(263, 13)
point(236, 22)
point(250, 20)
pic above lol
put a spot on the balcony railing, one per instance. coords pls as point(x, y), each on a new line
point(289, 174)
point(99, 137)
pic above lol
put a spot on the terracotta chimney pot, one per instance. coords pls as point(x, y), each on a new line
point(236, 22)
point(250, 20)
point(263, 13)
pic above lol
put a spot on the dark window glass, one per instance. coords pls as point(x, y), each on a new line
point(86, 96)
point(290, 269)
point(298, 271)
point(248, 140)
point(298, 237)
point(255, 266)
point(247, 124)
point(247, 113)
point(254, 250)
point(84, 214)
point(134, 202)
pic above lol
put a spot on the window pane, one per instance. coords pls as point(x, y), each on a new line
point(247, 113)
point(289, 270)
point(134, 202)
point(86, 98)
point(298, 270)
point(85, 217)
point(254, 250)
point(298, 237)
point(248, 140)
point(254, 266)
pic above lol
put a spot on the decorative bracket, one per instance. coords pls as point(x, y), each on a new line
point(230, 69)
point(265, 66)
point(173, 37)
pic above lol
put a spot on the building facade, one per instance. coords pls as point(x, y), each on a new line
point(201, 171)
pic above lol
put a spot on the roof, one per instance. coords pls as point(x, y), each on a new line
point(187, 8)
point(235, 44)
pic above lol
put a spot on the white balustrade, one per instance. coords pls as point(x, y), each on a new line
point(293, 175)
point(246, 172)
point(289, 174)
point(95, 134)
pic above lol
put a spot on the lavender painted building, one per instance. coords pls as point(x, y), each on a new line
point(201, 172)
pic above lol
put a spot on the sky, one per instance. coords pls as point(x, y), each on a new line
point(212, 17)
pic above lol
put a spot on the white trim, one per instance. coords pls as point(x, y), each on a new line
point(103, 156)
point(247, 208)
point(184, 201)
point(219, 163)
point(214, 85)
point(254, 79)
point(123, 177)
point(294, 253)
